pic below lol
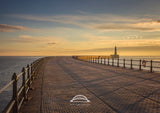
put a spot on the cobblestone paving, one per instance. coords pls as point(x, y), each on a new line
point(109, 89)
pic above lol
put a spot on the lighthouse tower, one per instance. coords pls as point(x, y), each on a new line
point(115, 53)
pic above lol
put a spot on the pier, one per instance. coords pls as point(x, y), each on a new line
point(110, 89)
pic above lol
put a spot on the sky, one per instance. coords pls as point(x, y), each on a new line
point(79, 27)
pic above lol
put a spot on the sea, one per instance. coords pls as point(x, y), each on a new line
point(8, 66)
point(136, 62)
point(11, 64)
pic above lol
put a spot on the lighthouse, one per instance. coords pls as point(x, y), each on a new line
point(115, 53)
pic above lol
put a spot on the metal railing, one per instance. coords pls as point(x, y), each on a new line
point(19, 95)
point(150, 65)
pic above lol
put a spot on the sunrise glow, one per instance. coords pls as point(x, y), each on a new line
point(90, 27)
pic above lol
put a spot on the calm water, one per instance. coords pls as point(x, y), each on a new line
point(155, 62)
point(9, 65)
point(136, 62)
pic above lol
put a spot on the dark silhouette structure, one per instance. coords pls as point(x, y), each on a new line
point(115, 55)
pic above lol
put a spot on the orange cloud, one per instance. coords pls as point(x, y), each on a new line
point(143, 26)
point(35, 40)
point(51, 44)
point(11, 28)
point(158, 20)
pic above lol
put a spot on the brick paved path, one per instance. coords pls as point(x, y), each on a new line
point(109, 89)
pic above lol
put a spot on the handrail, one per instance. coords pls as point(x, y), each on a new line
point(19, 75)
point(125, 63)
point(6, 86)
point(20, 95)
point(11, 106)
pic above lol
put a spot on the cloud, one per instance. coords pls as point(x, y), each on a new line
point(158, 20)
point(104, 22)
point(151, 36)
point(31, 39)
point(51, 44)
point(43, 42)
point(89, 45)
point(94, 37)
point(11, 28)
point(85, 17)
point(140, 26)
point(126, 48)
point(101, 22)
point(124, 27)
point(26, 39)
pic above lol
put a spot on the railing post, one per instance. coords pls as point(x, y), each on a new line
point(33, 71)
point(123, 63)
point(108, 61)
point(101, 60)
point(118, 62)
point(112, 61)
point(140, 64)
point(151, 70)
point(15, 95)
point(98, 60)
point(24, 84)
point(32, 74)
point(104, 61)
point(29, 76)
point(131, 64)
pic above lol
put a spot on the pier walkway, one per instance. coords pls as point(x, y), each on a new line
point(109, 89)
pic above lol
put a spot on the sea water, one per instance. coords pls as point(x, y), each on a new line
point(136, 62)
point(9, 65)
